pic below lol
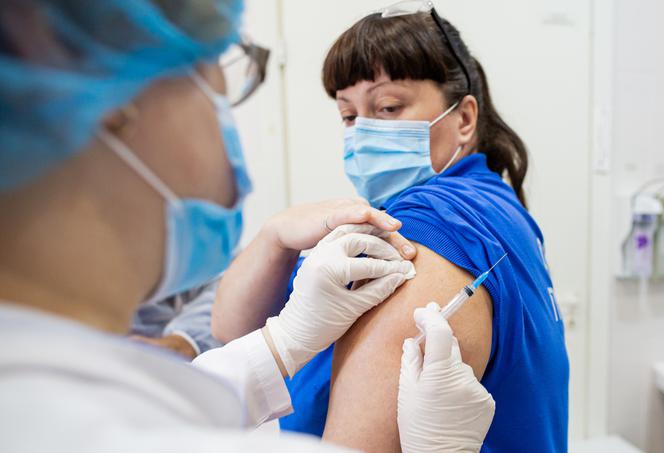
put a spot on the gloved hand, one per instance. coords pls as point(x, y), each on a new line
point(441, 405)
point(321, 307)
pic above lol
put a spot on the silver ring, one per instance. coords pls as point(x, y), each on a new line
point(326, 225)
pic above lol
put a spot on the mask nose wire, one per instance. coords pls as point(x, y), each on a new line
point(443, 115)
point(124, 153)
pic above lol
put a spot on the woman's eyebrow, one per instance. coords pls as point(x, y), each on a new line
point(378, 85)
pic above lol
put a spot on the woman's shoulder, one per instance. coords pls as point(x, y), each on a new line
point(465, 220)
point(455, 194)
point(452, 202)
point(481, 203)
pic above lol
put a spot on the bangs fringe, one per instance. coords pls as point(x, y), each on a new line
point(400, 46)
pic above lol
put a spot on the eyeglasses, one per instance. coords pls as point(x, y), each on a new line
point(408, 7)
point(245, 66)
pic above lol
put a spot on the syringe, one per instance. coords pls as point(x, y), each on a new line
point(462, 296)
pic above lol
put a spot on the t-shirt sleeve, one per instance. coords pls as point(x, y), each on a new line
point(445, 224)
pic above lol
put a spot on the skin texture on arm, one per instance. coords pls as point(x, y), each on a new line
point(254, 286)
point(362, 411)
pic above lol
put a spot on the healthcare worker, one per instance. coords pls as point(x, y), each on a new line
point(121, 181)
point(182, 322)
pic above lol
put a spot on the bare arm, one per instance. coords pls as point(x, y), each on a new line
point(254, 286)
point(365, 369)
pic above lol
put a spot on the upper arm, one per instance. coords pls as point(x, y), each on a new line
point(365, 369)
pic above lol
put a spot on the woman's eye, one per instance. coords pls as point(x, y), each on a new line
point(348, 119)
point(390, 109)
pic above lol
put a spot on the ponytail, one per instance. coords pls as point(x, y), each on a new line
point(504, 149)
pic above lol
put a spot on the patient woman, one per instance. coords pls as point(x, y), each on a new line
point(424, 141)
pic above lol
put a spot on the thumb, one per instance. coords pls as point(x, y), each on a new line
point(411, 361)
point(438, 334)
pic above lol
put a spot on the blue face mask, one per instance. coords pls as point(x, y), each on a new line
point(201, 236)
point(231, 138)
point(382, 158)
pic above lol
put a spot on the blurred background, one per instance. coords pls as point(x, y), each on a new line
point(581, 82)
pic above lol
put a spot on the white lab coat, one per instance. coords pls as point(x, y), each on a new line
point(67, 388)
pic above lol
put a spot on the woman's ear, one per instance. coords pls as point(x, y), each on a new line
point(468, 113)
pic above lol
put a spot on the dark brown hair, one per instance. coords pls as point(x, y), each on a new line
point(413, 47)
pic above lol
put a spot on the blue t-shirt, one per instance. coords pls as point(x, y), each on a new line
point(470, 217)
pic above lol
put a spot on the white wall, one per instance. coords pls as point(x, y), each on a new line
point(636, 410)
point(262, 124)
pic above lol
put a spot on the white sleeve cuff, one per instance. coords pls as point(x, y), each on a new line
point(275, 394)
point(249, 366)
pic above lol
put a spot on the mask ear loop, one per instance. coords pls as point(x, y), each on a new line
point(451, 161)
point(205, 87)
point(124, 153)
point(459, 148)
point(444, 114)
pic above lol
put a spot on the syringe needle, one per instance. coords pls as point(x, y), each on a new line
point(497, 263)
point(466, 293)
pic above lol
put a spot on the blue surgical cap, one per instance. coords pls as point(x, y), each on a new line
point(100, 55)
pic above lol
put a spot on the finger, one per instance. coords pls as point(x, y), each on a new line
point(362, 214)
point(380, 289)
point(383, 220)
point(490, 405)
point(438, 334)
point(421, 314)
point(355, 244)
point(371, 268)
point(360, 200)
point(456, 352)
point(354, 214)
point(411, 360)
point(402, 244)
point(346, 229)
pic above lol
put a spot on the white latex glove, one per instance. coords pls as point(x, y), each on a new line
point(321, 308)
point(441, 406)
